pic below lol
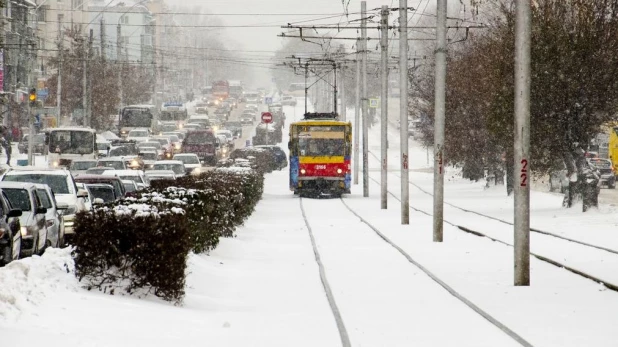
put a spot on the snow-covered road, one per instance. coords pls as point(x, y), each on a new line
point(263, 287)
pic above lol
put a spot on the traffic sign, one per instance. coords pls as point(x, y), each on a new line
point(373, 103)
point(267, 117)
point(268, 100)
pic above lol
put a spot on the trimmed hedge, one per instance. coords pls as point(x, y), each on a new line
point(143, 242)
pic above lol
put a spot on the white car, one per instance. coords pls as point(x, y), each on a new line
point(160, 175)
point(175, 166)
point(138, 135)
point(136, 176)
point(228, 136)
point(61, 183)
point(191, 162)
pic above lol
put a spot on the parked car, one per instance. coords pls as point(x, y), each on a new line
point(606, 170)
point(136, 176)
point(100, 179)
point(23, 196)
point(102, 191)
point(174, 165)
point(62, 185)
point(191, 162)
point(53, 217)
point(138, 135)
point(10, 231)
point(39, 144)
point(116, 163)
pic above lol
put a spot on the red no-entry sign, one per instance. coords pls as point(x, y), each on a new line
point(267, 117)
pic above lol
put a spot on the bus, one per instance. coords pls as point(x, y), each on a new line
point(66, 144)
point(320, 150)
point(174, 112)
point(296, 89)
point(135, 116)
point(221, 89)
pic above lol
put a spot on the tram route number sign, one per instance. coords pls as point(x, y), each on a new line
point(267, 117)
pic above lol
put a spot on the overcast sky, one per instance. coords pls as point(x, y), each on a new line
point(265, 38)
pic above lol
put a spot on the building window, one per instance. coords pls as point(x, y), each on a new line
point(124, 19)
point(42, 13)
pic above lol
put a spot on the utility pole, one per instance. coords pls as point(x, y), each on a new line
point(306, 88)
point(357, 111)
point(335, 88)
point(523, 29)
point(438, 142)
point(119, 62)
point(344, 111)
point(103, 44)
point(30, 111)
point(365, 101)
point(89, 80)
point(403, 110)
point(59, 85)
point(384, 107)
point(85, 83)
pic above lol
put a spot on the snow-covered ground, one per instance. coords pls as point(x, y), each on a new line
point(263, 288)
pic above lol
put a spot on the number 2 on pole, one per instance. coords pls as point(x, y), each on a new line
point(524, 173)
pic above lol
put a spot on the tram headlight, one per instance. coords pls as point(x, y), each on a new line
point(339, 171)
point(303, 171)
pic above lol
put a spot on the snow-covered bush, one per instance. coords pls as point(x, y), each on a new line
point(134, 246)
point(141, 243)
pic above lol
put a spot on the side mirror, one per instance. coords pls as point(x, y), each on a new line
point(82, 193)
point(289, 145)
point(62, 206)
point(14, 213)
point(41, 210)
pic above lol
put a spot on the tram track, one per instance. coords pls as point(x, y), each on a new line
point(548, 259)
point(367, 235)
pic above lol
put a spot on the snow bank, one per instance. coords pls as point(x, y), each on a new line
point(27, 282)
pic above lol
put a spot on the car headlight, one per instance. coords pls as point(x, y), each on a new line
point(25, 232)
point(177, 146)
point(134, 163)
point(55, 164)
point(303, 171)
point(339, 171)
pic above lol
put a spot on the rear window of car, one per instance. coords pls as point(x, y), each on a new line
point(199, 138)
point(18, 198)
point(105, 193)
point(57, 183)
point(114, 164)
point(44, 198)
point(83, 165)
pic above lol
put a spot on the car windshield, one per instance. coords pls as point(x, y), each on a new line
point(102, 192)
point(18, 198)
point(136, 179)
point(129, 187)
point(115, 164)
point(163, 141)
point(321, 147)
point(177, 168)
point(187, 159)
point(138, 133)
point(149, 155)
point(156, 145)
point(199, 138)
point(82, 165)
point(57, 183)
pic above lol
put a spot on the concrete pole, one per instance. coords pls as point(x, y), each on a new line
point(335, 88)
point(365, 101)
point(59, 85)
point(344, 112)
point(384, 106)
point(120, 67)
point(31, 134)
point(90, 53)
point(85, 83)
point(522, 143)
point(357, 111)
point(306, 88)
point(403, 110)
point(440, 106)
